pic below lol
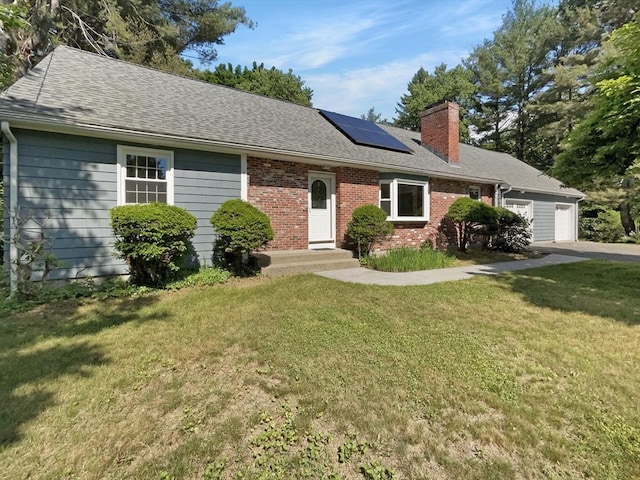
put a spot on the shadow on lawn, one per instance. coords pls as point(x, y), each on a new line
point(596, 287)
point(40, 347)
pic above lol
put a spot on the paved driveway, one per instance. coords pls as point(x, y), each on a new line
point(618, 252)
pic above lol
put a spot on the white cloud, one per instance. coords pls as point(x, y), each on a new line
point(353, 92)
point(329, 36)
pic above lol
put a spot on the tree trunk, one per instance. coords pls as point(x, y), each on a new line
point(626, 218)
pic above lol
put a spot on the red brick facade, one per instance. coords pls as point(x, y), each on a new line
point(280, 189)
point(444, 193)
point(354, 187)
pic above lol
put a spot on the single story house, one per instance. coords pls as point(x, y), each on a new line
point(83, 133)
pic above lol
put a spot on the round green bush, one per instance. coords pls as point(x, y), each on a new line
point(153, 239)
point(513, 233)
point(241, 228)
point(471, 217)
point(368, 224)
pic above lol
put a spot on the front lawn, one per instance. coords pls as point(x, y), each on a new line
point(533, 374)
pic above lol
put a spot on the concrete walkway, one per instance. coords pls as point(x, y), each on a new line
point(427, 277)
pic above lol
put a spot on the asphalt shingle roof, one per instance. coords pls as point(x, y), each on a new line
point(78, 88)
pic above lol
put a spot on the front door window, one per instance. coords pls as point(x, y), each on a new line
point(319, 195)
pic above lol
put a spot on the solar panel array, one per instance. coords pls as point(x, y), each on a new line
point(364, 132)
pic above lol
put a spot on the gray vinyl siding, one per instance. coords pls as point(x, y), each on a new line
point(203, 181)
point(544, 211)
point(73, 180)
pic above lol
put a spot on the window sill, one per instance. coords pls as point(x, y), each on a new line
point(408, 219)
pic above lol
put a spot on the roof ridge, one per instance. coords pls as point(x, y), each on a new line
point(177, 75)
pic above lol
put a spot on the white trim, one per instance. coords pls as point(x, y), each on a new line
point(244, 178)
point(548, 192)
point(123, 150)
point(393, 184)
point(13, 204)
point(329, 242)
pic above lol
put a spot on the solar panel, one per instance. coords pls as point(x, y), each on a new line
point(364, 132)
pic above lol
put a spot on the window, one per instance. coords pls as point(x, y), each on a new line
point(144, 175)
point(319, 195)
point(474, 193)
point(404, 199)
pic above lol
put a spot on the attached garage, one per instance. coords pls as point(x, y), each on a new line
point(553, 217)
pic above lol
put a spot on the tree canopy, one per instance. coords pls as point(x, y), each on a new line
point(156, 33)
point(428, 88)
point(270, 82)
point(148, 32)
point(603, 151)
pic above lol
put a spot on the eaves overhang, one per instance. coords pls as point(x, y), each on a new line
point(557, 193)
point(39, 122)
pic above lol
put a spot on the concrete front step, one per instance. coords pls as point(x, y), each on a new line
point(288, 262)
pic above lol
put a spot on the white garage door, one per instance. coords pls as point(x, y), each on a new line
point(522, 208)
point(564, 222)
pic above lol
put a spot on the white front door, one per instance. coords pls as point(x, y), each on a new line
point(322, 210)
point(564, 222)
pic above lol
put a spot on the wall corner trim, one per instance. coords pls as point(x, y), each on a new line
point(244, 178)
point(13, 201)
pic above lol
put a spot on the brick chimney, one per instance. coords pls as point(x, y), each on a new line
point(440, 130)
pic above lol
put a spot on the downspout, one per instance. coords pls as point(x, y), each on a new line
point(502, 194)
point(13, 201)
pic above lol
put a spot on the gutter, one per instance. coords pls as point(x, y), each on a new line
point(13, 202)
point(27, 121)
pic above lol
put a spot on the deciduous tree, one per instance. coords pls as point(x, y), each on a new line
point(605, 146)
point(270, 82)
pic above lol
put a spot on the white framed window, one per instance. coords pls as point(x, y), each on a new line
point(404, 200)
point(145, 175)
point(475, 193)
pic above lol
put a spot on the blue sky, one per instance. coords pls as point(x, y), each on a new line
point(357, 54)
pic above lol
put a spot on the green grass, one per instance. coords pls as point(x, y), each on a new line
point(533, 374)
point(110, 288)
point(410, 260)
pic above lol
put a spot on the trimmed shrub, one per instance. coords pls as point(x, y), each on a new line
point(471, 217)
point(513, 233)
point(153, 239)
point(241, 228)
point(368, 225)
